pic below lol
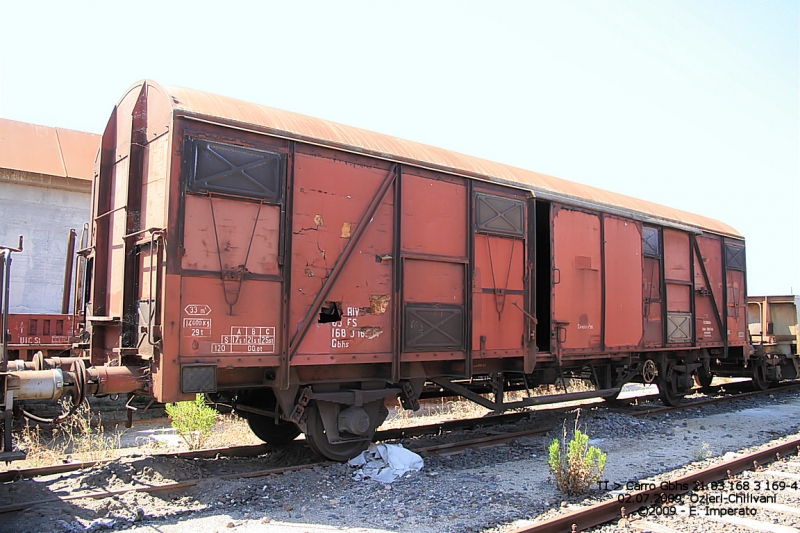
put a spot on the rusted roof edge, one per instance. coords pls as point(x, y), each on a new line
point(537, 191)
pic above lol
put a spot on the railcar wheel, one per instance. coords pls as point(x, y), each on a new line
point(760, 381)
point(267, 430)
point(318, 439)
point(612, 400)
point(667, 390)
point(704, 381)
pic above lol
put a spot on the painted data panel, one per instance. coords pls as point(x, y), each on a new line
point(577, 297)
point(653, 326)
point(330, 199)
point(677, 262)
point(248, 334)
point(434, 217)
point(498, 283)
point(238, 233)
point(623, 278)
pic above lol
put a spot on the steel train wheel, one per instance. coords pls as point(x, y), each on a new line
point(703, 381)
point(759, 378)
point(318, 439)
point(668, 394)
point(267, 430)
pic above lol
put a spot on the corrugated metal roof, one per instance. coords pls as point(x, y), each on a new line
point(46, 150)
point(293, 125)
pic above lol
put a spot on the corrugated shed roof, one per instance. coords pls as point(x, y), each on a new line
point(301, 127)
point(46, 150)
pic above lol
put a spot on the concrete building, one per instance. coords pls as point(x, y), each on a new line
point(45, 190)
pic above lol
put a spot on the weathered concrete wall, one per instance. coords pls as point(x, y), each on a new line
point(42, 209)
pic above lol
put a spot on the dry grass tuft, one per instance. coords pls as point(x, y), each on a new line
point(79, 438)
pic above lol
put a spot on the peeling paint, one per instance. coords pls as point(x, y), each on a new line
point(377, 304)
point(370, 332)
point(346, 230)
point(318, 220)
point(309, 273)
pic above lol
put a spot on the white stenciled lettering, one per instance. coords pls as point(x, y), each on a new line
point(247, 339)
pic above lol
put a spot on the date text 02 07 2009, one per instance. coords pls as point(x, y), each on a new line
point(717, 498)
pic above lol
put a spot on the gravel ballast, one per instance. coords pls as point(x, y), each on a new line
point(493, 489)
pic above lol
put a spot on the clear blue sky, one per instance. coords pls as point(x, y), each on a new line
point(687, 103)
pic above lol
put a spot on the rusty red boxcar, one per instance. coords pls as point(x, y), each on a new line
point(306, 272)
point(51, 334)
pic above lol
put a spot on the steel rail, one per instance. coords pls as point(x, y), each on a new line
point(584, 518)
point(258, 449)
point(608, 511)
point(481, 442)
point(178, 485)
point(716, 400)
point(181, 485)
point(388, 434)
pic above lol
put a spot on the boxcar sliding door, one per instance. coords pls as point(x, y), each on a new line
point(499, 296)
point(577, 281)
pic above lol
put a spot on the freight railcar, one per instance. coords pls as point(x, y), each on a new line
point(306, 272)
point(774, 333)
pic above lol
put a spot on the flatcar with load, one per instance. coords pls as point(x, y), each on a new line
point(307, 272)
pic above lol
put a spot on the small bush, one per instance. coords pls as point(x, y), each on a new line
point(193, 421)
point(702, 453)
point(576, 466)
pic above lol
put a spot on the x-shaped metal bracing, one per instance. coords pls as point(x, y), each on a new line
point(434, 327)
point(501, 214)
point(232, 167)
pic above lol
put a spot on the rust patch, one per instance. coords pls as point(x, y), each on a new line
point(377, 304)
point(346, 230)
point(369, 332)
point(318, 220)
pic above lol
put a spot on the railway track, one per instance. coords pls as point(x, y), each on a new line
point(405, 432)
point(75, 495)
point(259, 449)
point(442, 449)
point(715, 493)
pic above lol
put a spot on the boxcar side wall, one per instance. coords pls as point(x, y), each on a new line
point(623, 287)
point(234, 259)
point(373, 273)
